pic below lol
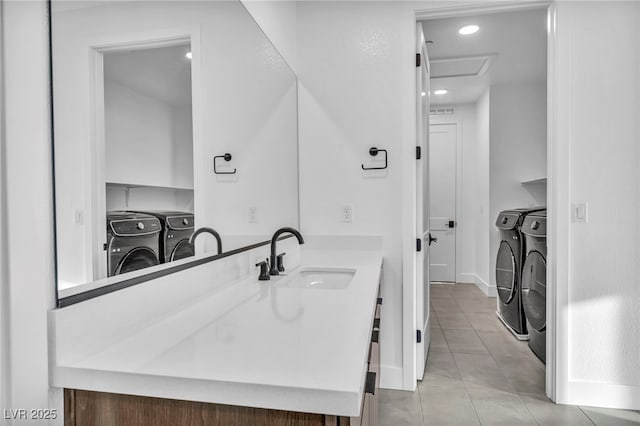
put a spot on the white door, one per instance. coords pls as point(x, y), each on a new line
point(422, 206)
point(442, 193)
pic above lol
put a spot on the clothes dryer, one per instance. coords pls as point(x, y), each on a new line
point(132, 241)
point(508, 270)
point(176, 228)
point(534, 281)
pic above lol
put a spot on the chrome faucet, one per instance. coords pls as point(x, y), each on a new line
point(207, 230)
point(274, 260)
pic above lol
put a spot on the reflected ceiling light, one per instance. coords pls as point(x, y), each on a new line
point(424, 93)
point(189, 55)
point(469, 29)
point(440, 92)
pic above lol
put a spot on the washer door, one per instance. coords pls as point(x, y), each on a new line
point(506, 273)
point(138, 258)
point(181, 250)
point(534, 290)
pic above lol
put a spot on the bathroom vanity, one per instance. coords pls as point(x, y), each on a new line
point(300, 349)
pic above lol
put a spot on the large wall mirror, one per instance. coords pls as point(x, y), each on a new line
point(169, 116)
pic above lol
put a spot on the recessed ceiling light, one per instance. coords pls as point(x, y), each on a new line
point(189, 55)
point(469, 29)
point(424, 93)
point(440, 92)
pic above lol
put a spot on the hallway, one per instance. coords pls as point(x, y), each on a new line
point(479, 374)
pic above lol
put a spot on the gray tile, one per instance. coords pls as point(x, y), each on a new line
point(445, 305)
point(484, 321)
point(607, 416)
point(472, 305)
point(464, 341)
point(453, 320)
point(501, 343)
point(399, 408)
point(527, 375)
point(442, 364)
point(482, 370)
point(546, 413)
point(495, 407)
point(433, 320)
point(445, 401)
point(438, 342)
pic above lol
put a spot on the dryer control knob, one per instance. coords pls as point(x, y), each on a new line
point(535, 225)
point(185, 221)
point(140, 226)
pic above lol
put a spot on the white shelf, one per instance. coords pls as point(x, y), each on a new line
point(144, 185)
point(542, 180)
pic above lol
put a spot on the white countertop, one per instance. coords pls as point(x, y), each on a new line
point(250, 343)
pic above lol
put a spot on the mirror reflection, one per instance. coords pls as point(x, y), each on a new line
point(169, 117)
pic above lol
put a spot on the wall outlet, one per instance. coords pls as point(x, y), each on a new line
point(580, 212)
point(347, 213)
point(252, 214)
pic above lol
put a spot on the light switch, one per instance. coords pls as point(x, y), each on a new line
point(78, 217)
point(252, 214)
point(580, 212)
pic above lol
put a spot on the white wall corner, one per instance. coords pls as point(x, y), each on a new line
point(391, 377)
point(488, 290)
point(604, 395)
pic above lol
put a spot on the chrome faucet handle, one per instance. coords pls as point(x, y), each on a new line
point(264, 270)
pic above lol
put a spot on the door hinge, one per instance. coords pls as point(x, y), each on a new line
point(419, 336)
point(418, 60)
point(418, 244)
point(418, 152)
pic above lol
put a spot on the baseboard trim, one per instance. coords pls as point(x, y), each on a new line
point(603, 395)
point(466, 278)
point(391, 377)
point(489, 291)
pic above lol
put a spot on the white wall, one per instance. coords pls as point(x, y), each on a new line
point(278, 20)
point(140, 139)
point(482, 216)
point(28, 281)
point(518, 151)
point(602, 317)
point(349, 100)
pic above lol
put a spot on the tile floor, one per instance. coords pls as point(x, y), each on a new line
point(479, 374)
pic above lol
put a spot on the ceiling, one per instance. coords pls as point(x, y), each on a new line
point(511, 47)
point(162, 73)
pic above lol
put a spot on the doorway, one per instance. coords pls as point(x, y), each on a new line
point(490, 92)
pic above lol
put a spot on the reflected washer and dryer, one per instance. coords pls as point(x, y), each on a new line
point(534, 281)
point(508, 270)
point(176, 228)
point(132, 241)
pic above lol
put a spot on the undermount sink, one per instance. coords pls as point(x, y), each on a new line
point(321, 279)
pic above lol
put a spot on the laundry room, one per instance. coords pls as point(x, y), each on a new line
point(487, 169)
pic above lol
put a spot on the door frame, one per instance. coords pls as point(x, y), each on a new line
point(442, 120)
point(95, 193)
point(558, 186)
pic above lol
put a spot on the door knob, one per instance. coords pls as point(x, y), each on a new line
point(432, 239)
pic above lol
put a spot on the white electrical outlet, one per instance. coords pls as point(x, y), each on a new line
point(252, 214)
point(347, 213)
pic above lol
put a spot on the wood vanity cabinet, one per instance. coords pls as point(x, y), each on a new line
point(83, 408)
